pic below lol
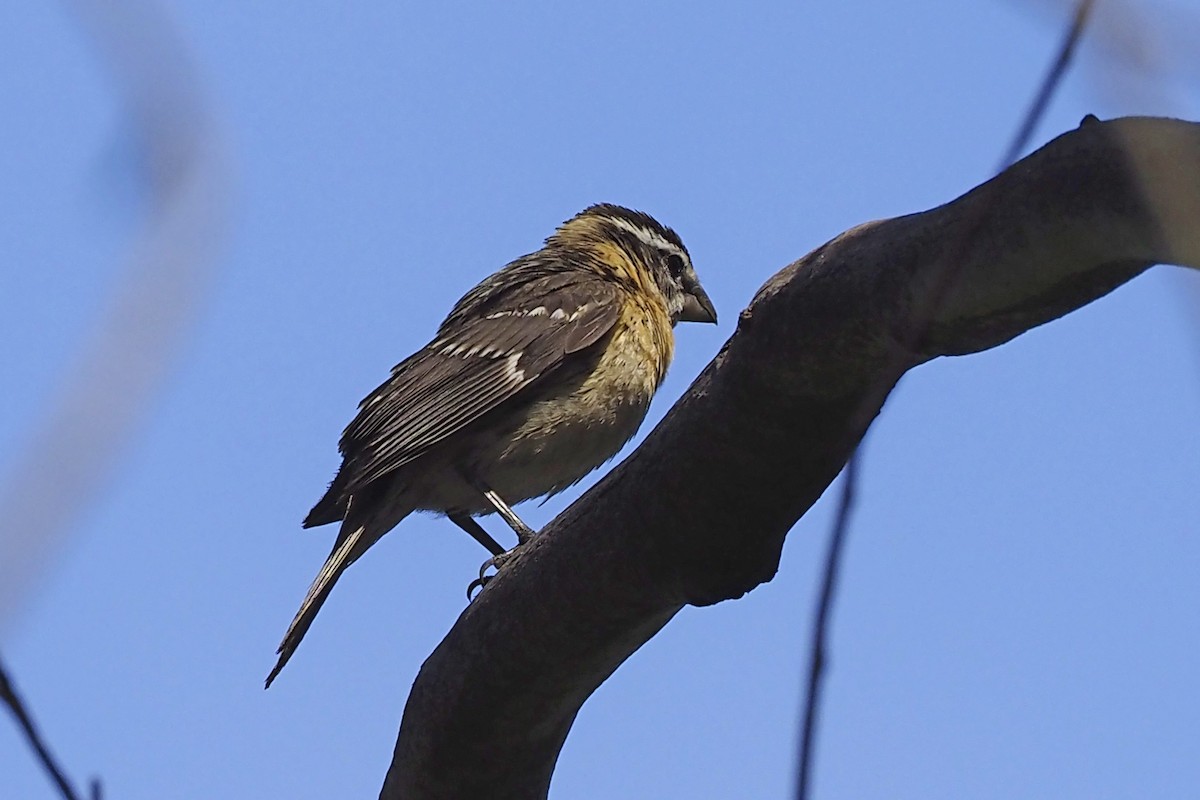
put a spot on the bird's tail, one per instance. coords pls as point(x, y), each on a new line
point(356, 535)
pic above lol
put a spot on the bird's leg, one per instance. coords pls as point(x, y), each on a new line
point(477, 533)
point(523, 531)
point(500, 557)
point(476, 530)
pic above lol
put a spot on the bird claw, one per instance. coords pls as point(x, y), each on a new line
point(496, 562)
point(480, 582)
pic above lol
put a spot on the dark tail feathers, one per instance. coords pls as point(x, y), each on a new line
point(349, 546)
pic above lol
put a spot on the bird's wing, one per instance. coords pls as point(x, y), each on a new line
point(474, 365)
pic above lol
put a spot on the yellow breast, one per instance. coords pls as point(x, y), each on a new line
point(583, 423)
point(643, 343)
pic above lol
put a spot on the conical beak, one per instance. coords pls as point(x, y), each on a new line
point(696, 305)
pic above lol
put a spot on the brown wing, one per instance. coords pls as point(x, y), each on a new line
point(476, 363)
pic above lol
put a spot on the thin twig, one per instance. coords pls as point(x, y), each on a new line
point(1049, 84)
point(837, 539)
point(816, 669)
point(9, 695)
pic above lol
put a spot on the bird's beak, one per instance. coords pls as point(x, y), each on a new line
point(696, 305)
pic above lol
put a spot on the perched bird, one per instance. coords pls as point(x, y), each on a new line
point(539, 375)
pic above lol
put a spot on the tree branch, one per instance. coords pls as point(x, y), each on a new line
point(699, 512)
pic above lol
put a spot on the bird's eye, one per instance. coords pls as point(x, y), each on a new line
point(675, 264)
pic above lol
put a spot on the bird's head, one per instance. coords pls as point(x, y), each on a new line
point(632, 246)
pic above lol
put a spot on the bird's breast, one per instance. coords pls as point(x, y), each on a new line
point(579, 424)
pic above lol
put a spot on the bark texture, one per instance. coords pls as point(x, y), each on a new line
point(699, 512)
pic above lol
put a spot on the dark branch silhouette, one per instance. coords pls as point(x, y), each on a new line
point(10, 698)
point(837, 539)
point(699, 512)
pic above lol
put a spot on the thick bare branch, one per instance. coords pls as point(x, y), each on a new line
point(699, 512)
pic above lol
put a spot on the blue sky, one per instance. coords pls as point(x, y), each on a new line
point(1018, 614)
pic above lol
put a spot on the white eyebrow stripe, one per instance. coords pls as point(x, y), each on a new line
point(649, 237)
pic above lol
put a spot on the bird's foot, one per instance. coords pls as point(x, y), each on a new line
point(497, 563)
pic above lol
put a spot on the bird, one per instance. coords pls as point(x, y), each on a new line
point(538, 375)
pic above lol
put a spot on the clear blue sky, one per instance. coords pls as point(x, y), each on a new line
point(1020, 608)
